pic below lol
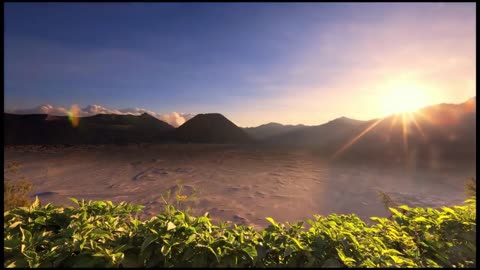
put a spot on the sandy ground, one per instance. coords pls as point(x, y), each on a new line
point(243, 185)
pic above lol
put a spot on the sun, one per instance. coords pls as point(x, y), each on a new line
point(403, 97)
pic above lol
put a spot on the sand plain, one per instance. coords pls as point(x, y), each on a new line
point(236, 183)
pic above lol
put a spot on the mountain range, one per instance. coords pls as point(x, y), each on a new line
point(443, 131)
point(270, 129)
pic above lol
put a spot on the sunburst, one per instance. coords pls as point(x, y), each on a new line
point(406, 119)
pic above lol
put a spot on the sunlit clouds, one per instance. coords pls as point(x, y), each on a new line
point(174, 118)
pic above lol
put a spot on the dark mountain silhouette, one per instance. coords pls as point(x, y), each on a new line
point(438, 133)
point(211, 128)
point(271, 129)
point(315, 135)
point(443, 132)
point(97, 129)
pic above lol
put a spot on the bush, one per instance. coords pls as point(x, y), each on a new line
point(101, 234)
point(15, 191)
point(471, 187)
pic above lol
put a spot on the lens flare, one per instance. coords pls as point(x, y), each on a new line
point(355, 139)
point(405, 119)
point(73, 115)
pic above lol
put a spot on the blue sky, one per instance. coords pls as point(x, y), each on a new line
point(255, 63)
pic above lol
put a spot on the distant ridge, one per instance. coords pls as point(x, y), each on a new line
point(211, 128)
point(431, 134)
point(447, 132)
point(271, 129)
point(314, 135)
point(436, 133)
point(97, 129)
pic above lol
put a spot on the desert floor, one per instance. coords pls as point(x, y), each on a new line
point(241, 184)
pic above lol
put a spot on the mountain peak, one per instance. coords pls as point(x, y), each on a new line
point(211, 127)
point(215, 115)
point(344, 119)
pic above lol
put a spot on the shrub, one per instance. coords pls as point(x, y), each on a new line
point(102, 234)
point(15, 191)
point(471, 187)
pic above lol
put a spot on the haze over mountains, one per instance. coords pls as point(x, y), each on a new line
point(443, 131)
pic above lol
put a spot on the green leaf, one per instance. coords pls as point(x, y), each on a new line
point(404, 207)
point(272, 221)
point(147, 242)
point(170, 226)
point(297, 243)
point(395, 212)
point(165, 250)
point(191, 238)
point(110, 203)
point(213, 252)
point(40, 220)
point(74, 200)
point(449, 210)
point(396, 259)
point(420, 219)
point(15, 224)
point(36, 203)
point(250, 251)
point(26, 235)
point(202, 220)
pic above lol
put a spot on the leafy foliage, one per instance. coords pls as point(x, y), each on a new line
point(15, 190)
point(179, 198)
point(102, 234)
point(471, 187)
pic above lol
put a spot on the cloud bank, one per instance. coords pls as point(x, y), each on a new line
point(174, 118)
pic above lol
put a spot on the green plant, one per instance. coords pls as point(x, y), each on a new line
point(471, 187)
point(179, 198)
point(102, 234)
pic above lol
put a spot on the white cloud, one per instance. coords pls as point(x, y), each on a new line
point(97, 109)
point(174, 118)
point(42, 109)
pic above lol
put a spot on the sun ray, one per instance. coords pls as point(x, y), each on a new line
point(405, 134)
point(424, 116)
point(394, 120)
point(355, 139)
point(414, 120)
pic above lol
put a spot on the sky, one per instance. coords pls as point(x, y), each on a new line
point(290, 63)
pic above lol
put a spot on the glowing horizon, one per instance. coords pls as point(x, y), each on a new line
point(297, 63)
